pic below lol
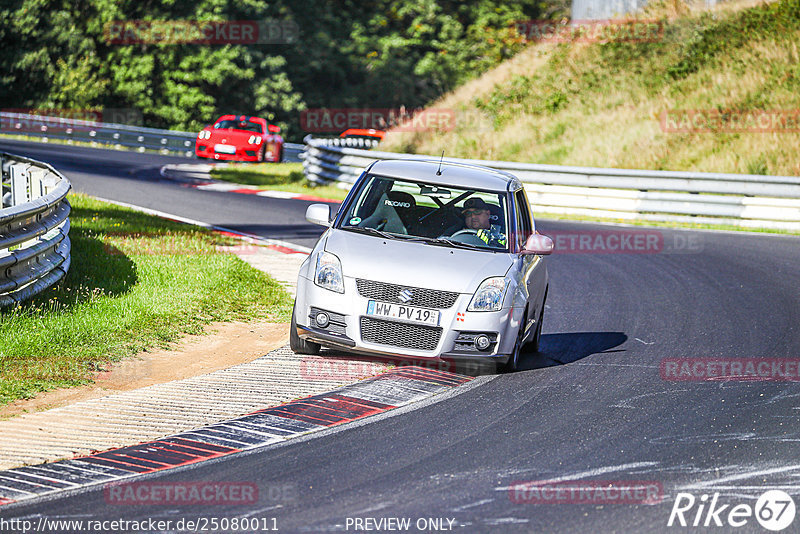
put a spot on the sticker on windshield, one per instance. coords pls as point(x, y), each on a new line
point(355, 220)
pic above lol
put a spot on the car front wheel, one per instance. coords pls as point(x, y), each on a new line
point(298, 344)
point(513, 360)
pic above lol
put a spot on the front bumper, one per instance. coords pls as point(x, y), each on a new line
point(248, 153)
point(458, 327)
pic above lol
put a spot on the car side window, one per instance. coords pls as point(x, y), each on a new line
point(524, 221)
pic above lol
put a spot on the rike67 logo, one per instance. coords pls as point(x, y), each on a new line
point(774, 510)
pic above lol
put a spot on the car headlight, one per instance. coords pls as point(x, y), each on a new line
point(205, 134)
point(328, 273)
point(254, 140)
point(489, 296)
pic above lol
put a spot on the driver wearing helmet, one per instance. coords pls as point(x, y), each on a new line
point(476, 217)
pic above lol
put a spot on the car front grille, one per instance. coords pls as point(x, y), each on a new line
point(403, 335)
point(424, 298)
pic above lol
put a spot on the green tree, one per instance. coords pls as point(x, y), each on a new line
point(386, 53)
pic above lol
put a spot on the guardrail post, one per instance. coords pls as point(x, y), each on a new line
point(5, 190)
point(19, 184)
point(35, 184)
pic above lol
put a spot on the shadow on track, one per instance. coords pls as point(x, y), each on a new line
point(555, 349)
point(568, 347)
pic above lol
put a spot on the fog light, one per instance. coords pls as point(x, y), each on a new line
point(482, 342)
point(322, 319)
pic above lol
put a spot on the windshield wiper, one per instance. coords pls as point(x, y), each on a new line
point(458, 244)
point(436, 241)
point(372, 231)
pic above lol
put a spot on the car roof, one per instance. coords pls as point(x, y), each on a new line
point(453, 174)
point(240, 118)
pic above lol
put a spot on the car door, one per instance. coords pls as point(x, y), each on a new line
point(532, 268)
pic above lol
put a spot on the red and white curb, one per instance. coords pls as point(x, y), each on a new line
point(393, 389)
point(197, 176)
point(252, 190)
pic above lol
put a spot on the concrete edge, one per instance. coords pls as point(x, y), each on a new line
point(391, 390)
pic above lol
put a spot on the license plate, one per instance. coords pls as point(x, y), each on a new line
point(225, 149)
point(411, 314)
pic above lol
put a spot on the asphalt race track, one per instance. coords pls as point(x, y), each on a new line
point(592, 406)
point(134, 178)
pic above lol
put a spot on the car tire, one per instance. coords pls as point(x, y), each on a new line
point(298, 344)
point(512, 364)
point(534, 344)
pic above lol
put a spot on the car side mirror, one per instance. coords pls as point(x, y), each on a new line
point(319, 214)
point(538, 244)
point(271, 128)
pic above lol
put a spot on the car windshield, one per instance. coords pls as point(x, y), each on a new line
point(434, 214)
point(248, 126)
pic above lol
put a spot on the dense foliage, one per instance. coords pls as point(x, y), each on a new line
point(385, 53)
point(609, 103)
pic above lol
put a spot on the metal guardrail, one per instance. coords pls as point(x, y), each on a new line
point(351, 142)
point(752, 201)
point(34, 228)
point(114, 135)
point(292, 152)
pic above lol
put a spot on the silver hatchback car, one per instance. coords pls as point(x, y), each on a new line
point(426, 260)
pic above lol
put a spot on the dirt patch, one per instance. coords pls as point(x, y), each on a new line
point(226, 345)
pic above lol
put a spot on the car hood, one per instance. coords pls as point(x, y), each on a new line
point(413, 263)
point(230, 137)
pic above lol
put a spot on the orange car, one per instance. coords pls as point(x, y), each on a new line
point(360, 133)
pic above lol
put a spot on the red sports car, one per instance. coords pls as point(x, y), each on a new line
point(240, 138)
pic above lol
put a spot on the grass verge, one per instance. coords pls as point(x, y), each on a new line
point(659, 224)
point(136, 281)
point(277, 177)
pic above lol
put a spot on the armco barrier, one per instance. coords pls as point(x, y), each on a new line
point(743, 200)
point(114, 135)
point(351, 142)
point(34, 227)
